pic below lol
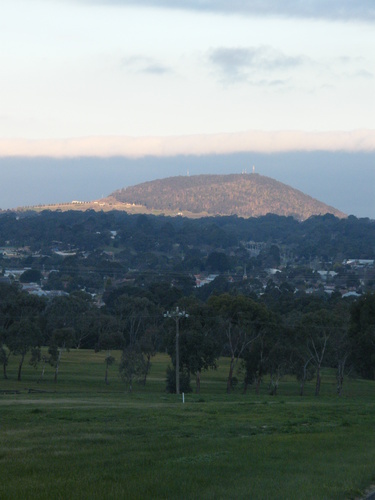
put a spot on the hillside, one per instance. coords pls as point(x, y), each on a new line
point(246, 195)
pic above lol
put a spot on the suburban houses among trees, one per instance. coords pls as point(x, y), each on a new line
point(275, 295)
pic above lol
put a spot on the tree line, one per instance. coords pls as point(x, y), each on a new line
point(297, 336)
point(318, 236)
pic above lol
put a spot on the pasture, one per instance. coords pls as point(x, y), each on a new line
point(81, 439)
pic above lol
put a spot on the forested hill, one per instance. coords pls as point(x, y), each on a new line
point(245, 195)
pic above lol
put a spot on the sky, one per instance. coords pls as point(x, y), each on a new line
point(94, 81)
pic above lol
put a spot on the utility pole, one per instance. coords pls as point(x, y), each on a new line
point(177, 315)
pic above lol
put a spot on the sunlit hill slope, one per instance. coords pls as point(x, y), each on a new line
point(246, 195)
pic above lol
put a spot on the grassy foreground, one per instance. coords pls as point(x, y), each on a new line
point(81, 439)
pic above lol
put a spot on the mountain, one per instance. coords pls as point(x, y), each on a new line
point(246, 195)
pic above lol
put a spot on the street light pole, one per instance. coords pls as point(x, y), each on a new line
point(177, 315)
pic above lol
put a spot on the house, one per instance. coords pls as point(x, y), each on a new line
point(359, 262)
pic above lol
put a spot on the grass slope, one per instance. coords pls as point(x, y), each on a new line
point(82, 439)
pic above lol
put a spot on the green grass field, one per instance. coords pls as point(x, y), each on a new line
point(82, 439)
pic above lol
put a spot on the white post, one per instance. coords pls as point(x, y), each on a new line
point(183, 397)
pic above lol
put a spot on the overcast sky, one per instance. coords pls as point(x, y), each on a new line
point(169, 77)
point(74, 69)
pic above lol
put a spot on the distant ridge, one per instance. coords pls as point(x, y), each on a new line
point(245, 195)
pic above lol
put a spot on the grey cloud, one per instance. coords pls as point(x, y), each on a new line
point(143, 64)
point(156, 69)
point(350, 60)
point(238, 63)
point(275, 83)
point(347, 10)
point(359, 63)
point(364, 74)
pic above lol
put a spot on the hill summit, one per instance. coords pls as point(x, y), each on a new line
point(245, 195)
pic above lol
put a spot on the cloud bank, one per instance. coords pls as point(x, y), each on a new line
point(223, 143)
point(236, 63)
point(346, 10)
point(144, 64)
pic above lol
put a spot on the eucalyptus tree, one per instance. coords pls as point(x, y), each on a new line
point(4, 352)
point(150, 342)
point(340, 347)
point(362, 335)
point(60, 341)
point(240, 322)
point(132, 366)
point(108, 339)
point(133, 315)
point(269, 354)
point(199, 345)
point(20, 324)
point(74, 312)
point(22, 336)
point(315, 333)
point(302, 368)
